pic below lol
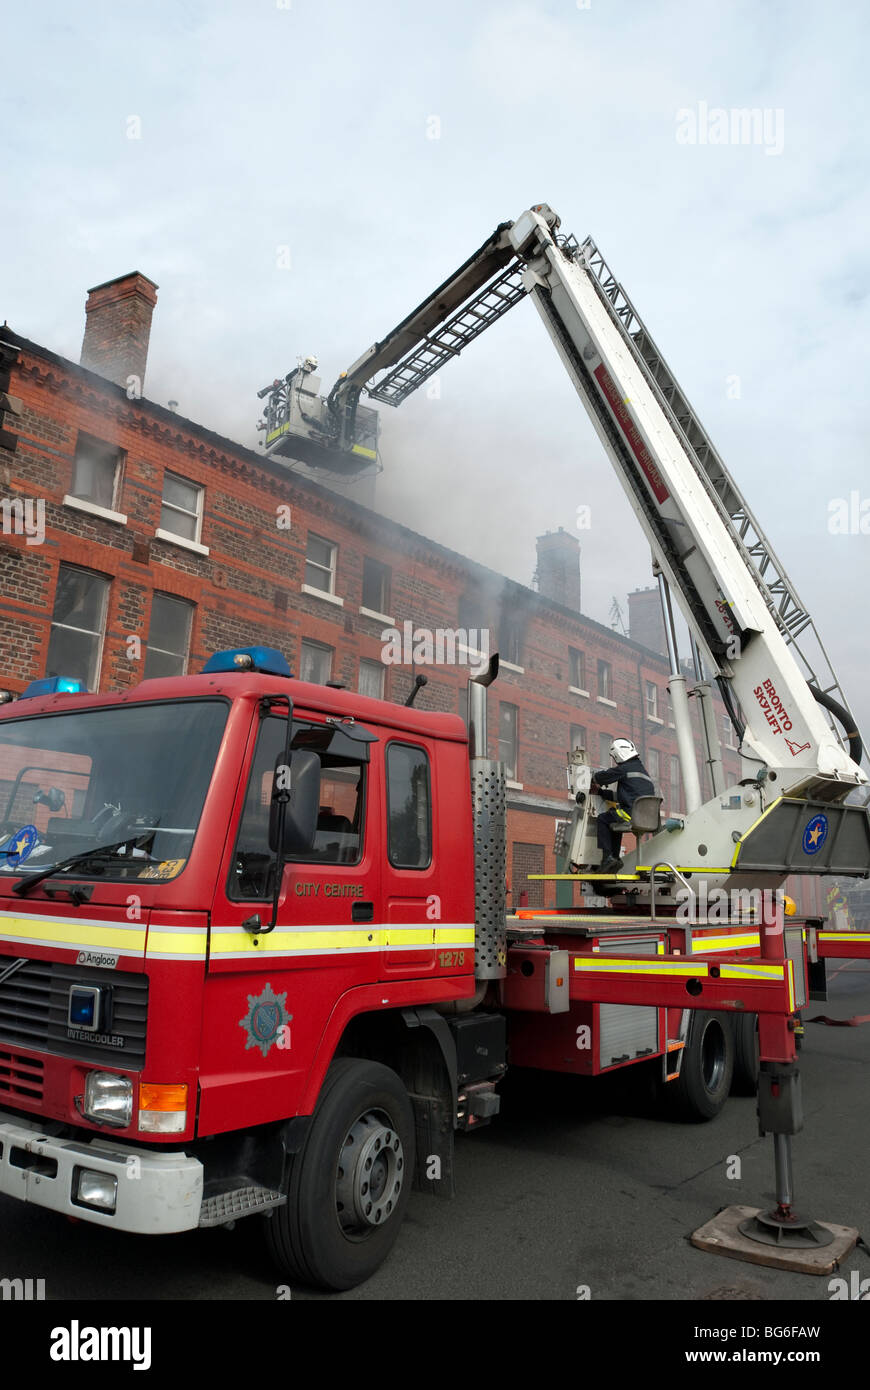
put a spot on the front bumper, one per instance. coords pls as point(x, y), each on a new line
point(157, 1192)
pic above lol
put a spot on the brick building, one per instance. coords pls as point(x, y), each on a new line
point(137, 542)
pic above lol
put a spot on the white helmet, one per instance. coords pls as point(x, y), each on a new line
point(621, 749)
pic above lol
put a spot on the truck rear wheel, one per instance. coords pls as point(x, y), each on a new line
point(702, 1086)
point(745, 1026)
point(349, 1186)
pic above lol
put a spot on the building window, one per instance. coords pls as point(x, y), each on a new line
point(96, 472)
point(577, 661)
point(577, 736)
point(653, 765)
point(409, 807)
point(652, 700)
point(168, 636)
point(510, 642)
point(605, 680)
point(508, 740)
point(604, 742)
point(470, 614)
point(676, 786)
point(315, 663)
point(729, 734)
point(371, 679)
point(77, 625)
point(181, 512)
point(320, 564)
point(375, 586)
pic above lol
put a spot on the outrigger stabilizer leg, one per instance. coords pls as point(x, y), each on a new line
point(745, 1233)
point(780, 1109)
point(780, 1113)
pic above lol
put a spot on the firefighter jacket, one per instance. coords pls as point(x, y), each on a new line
point(625, 783)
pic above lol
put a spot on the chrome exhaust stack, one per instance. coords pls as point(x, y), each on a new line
point(490, 848)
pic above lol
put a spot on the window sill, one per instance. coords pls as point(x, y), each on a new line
point(93, 509)
point(654, 719)
point(378, 617)
point(185, 544)
point(321, 593)
point(509, 666)
point(470, 651)
point(575, 690)
point(611, 704)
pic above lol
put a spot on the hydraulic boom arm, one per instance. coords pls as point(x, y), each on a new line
point(741, 608)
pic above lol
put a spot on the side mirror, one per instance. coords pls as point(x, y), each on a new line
point(54, 798)
point(299, 788)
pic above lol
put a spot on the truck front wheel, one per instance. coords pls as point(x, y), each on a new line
point(349, 1186)
point(702, 1086)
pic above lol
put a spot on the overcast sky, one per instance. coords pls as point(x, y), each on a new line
point(307, 126)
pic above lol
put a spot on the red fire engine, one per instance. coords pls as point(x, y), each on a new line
point(255, 955)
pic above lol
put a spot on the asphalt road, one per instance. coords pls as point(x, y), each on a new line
point(576, 1183)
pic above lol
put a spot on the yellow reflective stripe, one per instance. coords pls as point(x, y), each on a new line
point(71, 932)
point(310, 940)
point(683, 869)
point(724, 943)
point(607, 965)
point(791, 989)
point(230, 943)
point(366, 453)
point(426, 936)
point(171, 943)
point(844, 936)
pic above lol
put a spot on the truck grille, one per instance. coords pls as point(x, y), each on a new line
point(34, 1002)
point(20, 1077)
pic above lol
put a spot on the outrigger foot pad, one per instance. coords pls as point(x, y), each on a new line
point(785, 1228)
point(804, 1247)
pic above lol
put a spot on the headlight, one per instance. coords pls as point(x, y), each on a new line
point(94, 1189)
point(108, 1099)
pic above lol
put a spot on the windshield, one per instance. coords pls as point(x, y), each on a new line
point(70, 783)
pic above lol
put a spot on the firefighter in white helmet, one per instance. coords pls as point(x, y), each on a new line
point(621, 785)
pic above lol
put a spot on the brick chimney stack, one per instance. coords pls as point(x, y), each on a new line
point(558, 573)
point(117, 328)
point(646, 624)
